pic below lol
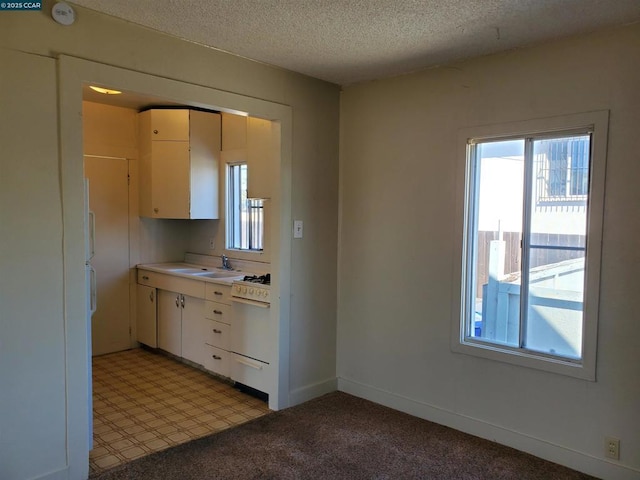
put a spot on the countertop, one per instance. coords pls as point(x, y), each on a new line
point(195, 272)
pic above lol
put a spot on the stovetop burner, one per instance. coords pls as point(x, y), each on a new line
point(263, 279)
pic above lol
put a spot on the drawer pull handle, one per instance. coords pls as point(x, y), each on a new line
point(144, 277)
point(215, 330)
point(216, 357)
point(217, 312)
point(217, 293)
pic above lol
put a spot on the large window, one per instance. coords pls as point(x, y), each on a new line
point(245, 216)
point(531, 248)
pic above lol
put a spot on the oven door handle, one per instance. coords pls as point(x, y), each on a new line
point(250, 302)
point(249, 363)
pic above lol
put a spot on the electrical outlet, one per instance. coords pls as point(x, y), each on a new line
point(612, 448)
point(212, 243)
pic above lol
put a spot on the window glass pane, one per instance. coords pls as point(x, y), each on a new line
point(561, 169)
point(557, 247)
point(243, 240)
point(496, 223)
point(580, 148)
point(245, 217)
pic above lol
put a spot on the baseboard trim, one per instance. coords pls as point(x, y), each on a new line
point(582, 462)
point(62, 474)
point(308, 392)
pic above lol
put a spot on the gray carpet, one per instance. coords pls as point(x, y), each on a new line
point(339, 436)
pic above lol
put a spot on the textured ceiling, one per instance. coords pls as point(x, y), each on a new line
point(350, 41)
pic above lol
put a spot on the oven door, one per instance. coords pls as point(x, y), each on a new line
point(251, 331)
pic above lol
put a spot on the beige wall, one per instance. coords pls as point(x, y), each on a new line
point(396, 285)
point(39, 366)
point(32, 361)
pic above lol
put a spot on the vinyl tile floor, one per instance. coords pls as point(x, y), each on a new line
point(144, 402)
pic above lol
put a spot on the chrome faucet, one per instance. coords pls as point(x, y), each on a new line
point(225, 263)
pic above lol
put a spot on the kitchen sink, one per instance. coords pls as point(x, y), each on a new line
point(181, 268)
point(197, 271)
point(218, 274)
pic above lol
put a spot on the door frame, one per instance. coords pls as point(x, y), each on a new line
point(73, 74)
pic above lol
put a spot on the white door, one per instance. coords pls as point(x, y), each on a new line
point(109, 200)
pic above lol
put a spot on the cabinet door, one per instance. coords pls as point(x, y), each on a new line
point(170, 322)
point(170, 124)
point(147, 328)
point(192, 329)
point(204, 156)
point(170, 179)
point(260, 158)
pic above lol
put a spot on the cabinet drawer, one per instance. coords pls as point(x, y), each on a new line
point(218, 293)
point(250, 372)
point(217, 360)
point(147, 278)
point(219, 312)
point(193, 288)
point(217, 334)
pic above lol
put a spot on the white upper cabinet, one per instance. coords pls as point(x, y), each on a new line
point(255, 142)
point(179, 156)
point(169, 125)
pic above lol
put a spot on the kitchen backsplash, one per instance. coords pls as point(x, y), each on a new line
point(241, 265)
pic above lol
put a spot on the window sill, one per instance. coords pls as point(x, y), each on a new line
point(243, 251)
point(582, 370)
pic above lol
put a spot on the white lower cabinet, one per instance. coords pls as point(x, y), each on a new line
point(147, 322)
point(196, 322)
point(192, 319)
point(179, 320)
point(169, 322)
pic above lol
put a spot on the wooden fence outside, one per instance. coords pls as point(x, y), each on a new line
point(513, 257)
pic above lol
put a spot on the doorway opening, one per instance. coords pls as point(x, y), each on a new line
point(73, 77)
point(143, 401)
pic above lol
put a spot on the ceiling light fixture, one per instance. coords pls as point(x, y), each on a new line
point(106, 91)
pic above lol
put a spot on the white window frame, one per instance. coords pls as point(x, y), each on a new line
point(584, 368)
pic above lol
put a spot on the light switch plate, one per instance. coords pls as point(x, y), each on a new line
point(297, 228)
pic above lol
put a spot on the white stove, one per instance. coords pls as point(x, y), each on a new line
point(253, 288)
point(253, 331)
